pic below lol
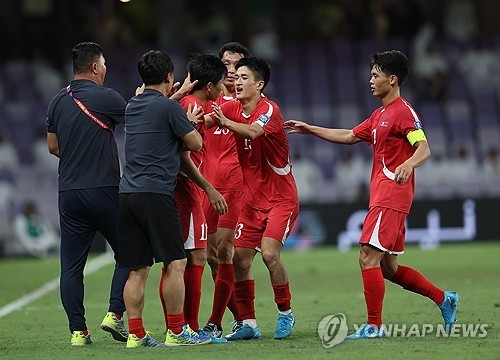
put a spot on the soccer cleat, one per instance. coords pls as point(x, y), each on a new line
point(246, 332)
point(115, 327)
point(449, 309)
point(186, 337)
point(147, 341)
point(237, 324)
point(284, 326)
point(368, 331)
point(78, 338)
point(215, 340)
point(213, 330)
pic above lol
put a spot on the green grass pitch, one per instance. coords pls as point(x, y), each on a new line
point(323, 281)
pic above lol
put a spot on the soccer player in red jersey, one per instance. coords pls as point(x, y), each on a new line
point(210, 72)
point(271, 204)
point(222, 168)
point(399, 146)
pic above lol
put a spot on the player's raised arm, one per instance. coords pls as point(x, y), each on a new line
point(247, 131)
point(186, 87)
point(339, 136)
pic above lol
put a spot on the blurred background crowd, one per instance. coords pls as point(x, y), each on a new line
point(319, 55)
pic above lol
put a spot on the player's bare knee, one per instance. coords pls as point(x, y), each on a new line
point(176, 266)
point(241, 263)
point(369, 257)
point(225, 253)
point(271, 258)
point(212, 260)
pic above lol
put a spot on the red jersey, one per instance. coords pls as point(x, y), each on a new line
point(386, 129)
point(265, 161)
point(187, 192)
point(221, 166)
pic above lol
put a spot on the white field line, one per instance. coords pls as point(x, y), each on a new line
point(92, 266)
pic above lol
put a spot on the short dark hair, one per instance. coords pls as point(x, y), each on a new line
point(234, 47)
point(154, 66)
point(391, 62)
point(258, 66)
point(205, 69)
point(84, 55)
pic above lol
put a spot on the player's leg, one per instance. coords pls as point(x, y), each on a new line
point(136, 243)
point(106, 218)
point(225, 253)
point(271, 249)
point(280, 220)
point(212, 218)
point(173, 294)
point(212, 245)
point(224, 283)
point(412, 280)
point(378, 236)
point(133, 294)
point(193, 275)
point(244, 292)
point(76, 238)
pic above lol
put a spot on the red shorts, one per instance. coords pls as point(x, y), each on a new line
point(384, 229)
point(255, 224)
point(234, 200)
point(194, 226)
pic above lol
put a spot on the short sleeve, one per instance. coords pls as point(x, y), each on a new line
point(270, 119)
point(178, 120)
point(116, 105)
point(363, 131)
point(408, 121)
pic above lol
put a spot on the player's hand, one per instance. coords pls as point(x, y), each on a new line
point(177, 93)
point(219, 115)
point(297, 127)
point(140, 89)
point(195, 115)
point(217, 201)
point(402, 173)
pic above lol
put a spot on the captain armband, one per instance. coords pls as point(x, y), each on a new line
point(416, 135)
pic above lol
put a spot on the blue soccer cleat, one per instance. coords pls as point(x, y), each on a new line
point(368, 331)
point(245, 333)
point(212, 336)
point(449, 309)
point(284, 326)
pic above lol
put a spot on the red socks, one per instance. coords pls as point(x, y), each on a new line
point(135, 327)
point(224, 287)
point(192, 279)
point(244, 293)
point(411, 280)
point(160, 291)
point(175, 322)
point(282, 296)
point(374, 290)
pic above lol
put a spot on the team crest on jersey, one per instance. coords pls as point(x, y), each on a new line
point(418, 125)
point(264, 119)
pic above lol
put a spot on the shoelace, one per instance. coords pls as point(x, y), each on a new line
point(282, 324)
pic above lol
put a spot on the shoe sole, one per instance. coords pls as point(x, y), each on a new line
point(114, 332)
point(196, 344)
point(79, 344)
point(252, 338)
